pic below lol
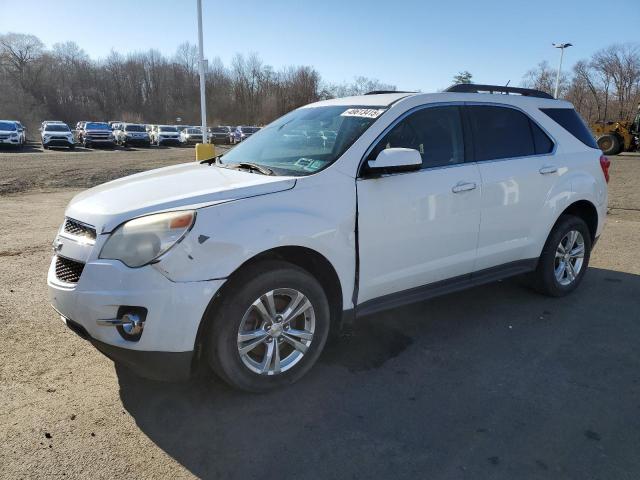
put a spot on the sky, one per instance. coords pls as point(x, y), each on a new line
point(415, 45)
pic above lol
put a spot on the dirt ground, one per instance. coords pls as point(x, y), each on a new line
point(494, 382)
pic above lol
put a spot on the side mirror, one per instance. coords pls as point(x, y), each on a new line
point(397, 159)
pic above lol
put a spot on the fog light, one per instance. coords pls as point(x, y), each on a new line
point(129, 322)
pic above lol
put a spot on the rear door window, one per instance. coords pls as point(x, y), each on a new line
point(569, 119)
point(500, 132)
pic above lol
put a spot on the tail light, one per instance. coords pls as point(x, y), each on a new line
point(605, 163)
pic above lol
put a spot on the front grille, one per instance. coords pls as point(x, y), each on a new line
point(67, 270)
point(79, 229)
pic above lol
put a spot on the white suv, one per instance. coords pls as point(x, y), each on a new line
point(56, 134)
point(248, 261)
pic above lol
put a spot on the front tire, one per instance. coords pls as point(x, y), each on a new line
point(565, 257)
point(270, 327)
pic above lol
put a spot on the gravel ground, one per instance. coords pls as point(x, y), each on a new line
point(494, 382)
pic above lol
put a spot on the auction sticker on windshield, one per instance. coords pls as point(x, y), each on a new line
point(363, 112)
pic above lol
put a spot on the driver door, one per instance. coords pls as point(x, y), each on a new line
point(419, 227)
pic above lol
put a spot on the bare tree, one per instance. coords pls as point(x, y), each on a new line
point(543, 78)
point(64, 83)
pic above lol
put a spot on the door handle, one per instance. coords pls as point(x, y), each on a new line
point(548, 169)
point(463, 187)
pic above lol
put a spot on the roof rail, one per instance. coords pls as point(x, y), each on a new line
point(380, 92)
point(475, 88)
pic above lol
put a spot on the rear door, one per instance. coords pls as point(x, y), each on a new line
point(419, 227)
point(514, 156)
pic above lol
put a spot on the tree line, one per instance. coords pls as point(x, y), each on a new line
point(605, 87)
point(64, 83)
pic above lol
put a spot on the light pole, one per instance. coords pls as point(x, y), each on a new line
point(202, 64)
point(561, 46)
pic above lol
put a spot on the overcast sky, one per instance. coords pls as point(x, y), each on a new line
point(415, 45)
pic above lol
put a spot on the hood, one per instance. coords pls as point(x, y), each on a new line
point(189, 185)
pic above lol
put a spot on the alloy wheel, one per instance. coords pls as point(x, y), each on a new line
point(276, 331)
point(569, 258)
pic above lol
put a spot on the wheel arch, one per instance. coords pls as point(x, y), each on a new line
point(306, 258)
point(587, 211)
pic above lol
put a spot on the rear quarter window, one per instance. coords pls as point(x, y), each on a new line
point(542, 142)
point(569, 119)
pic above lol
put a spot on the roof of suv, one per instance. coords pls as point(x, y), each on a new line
point(386, 99)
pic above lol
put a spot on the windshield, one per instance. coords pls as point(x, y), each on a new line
point(168, 129)
point(134, 128)
point(193, 131)
point(295, 144)
point(56, 127)
point(220, 130)
point(250, 129)
point(97, 126)
point(8, 126)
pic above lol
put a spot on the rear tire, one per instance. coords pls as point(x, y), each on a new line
point(246, 309)
point(564, 259)
point(609, 144)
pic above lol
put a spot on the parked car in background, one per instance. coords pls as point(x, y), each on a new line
point(191, 136)
point(57, 134)
point(132, 134)
point(97, 134)
point(221, 135)
point(10, 134)
point(243, 132)
point(22, 130)
point(165, 134)
point(115, 124)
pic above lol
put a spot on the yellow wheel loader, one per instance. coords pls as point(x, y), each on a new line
point(615, 137)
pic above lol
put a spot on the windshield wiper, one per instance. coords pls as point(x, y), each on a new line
point(252, 167)
point(213, 160)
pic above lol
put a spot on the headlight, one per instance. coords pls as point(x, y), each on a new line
point(142, 240)
point(14, 135)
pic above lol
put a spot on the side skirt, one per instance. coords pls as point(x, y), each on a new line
point(443, 287)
